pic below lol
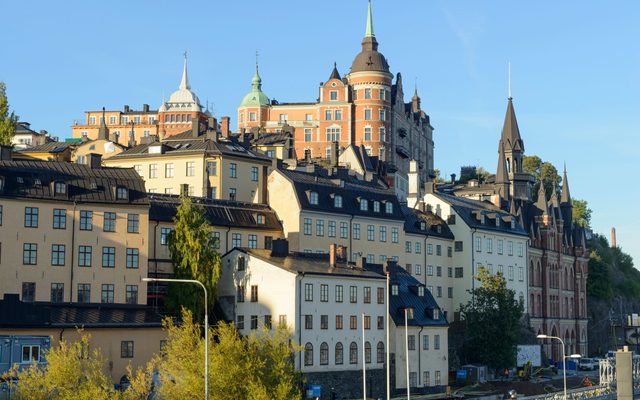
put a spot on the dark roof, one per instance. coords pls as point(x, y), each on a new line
point(471, 210)
point(271, 139)
point(33, 180)
point(510, 132)
point(369, 58)
point(25, 128)
point(352, 190)
point(314, 264)
point(408, 297)
point(225, 213)
point(434, 225)
point(49, 147)
point(334, 73)
point(17, 314)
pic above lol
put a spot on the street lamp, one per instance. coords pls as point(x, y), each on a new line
point(564, 361)
point(206, 325)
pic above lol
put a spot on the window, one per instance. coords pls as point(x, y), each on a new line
point(240, 322)
point(108, 257)
point(133, 258)
point(333, 134)
point(382, 133)
point(324, 322)
point(92, 120)
point(394, 235)
point(380, 353)
point(168, 170)
point(153, 171)
point(327, 115)
point(388, 207)
point(367, 94)
point(252, 116)
point(313, 198)
point(30, 354)
point(353, 322)
point(107, 293)
point(353, 294)
point(413, 379)
point(339, 354)
point(282, 320)
point(308, 135)
point(367, 131)
point(450, 292)
point(353, 353)
point(31, 217)
point(367, 352)
point(337, 115)
point(458, 246)
point(29, 254)
point(371, 232)
point(427, 380)
point(418, 248)
point(133, 221)
point(510, 272)
point(254, 174)
point(254, 322)
point(394, 290)
point(510, 247)
point(418, 269)
point(520, 274)
point(307, 226)
point(337, 201)
point(232, 193)
point(267, 321)
point(233, 170)
point(338, 321)
point(436, 342)
point(478, 244)
point(438, 250)
point(376, 206)
point(131, 294)
point(212, 168)
point(126, 349)
point(121, 193)
point(339, 293)
point(253, 241)
point(367, 294)
point(57, 292)
point(57, 254)
point(449, 251)
point(411, 340)
point(439, 291)
point(109, 222)
point(164, 236)
point(438, 271)
point(381, 112)
point(489, 242)
point(425, 342)
point(28, 291)
point(381, 93)
point(191, 168)
point(59, 218)
point(343, 230)
point(429, 270)
point(86, 220)
point(356, 231)
point(407, 247)
point(437, 378)
point(520, 250)
point(367, 322)
point(319, 227)
point(84, 293)
point(308, 292)
point(383, 233)
point(308, 321)
point(324, 293)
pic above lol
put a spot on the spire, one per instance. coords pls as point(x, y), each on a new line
point(184, 83)
point(510, 81)
point(335, 74)
point(541, 203)
point(566, 196)
point(510, 132)
point(501, 173)
point(256, 82)
point(103, 131)
point(369, 30)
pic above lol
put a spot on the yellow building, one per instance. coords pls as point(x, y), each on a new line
point(211, 167)
point(72, 233)
point(50, 151)
point(120, 124)
point(104, 148)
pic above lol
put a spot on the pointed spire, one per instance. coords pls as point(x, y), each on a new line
point(334, 73)
point(184, 83)
point(369, 30)
point(256, 82)
point(501, 173)
point(103, 131)
point(510, 132)
point(566, 196)
point(541, 203)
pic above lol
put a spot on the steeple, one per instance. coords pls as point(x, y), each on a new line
point(369, 30)
point(184, 83)
point(566, 196)
point(256, 81)
point(415, 100)
point(541, 203)
point(510, 132)
point(256, 97)
point(369, 59)
point(565, 201)
point(103, 131)
point(334, 73)
point(502, 177)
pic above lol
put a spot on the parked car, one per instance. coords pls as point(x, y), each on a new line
point(587, 364)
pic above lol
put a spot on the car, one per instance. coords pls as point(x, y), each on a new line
point(587, 364)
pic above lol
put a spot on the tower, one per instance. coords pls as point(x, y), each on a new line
point(254, 108)
point(566, 206)
point(502, 183)
point(513, 152)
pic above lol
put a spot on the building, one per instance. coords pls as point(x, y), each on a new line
point(125, 334)
point(325, 301)
point(209, 166)
point(102, 147)
point(25, 137)
point(72, 233)
point(424, 340)
point(48, 151)
point(366, 108)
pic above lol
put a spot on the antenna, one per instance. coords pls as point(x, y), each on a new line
point(509, 79)
point(185, 55)
point(257, 55)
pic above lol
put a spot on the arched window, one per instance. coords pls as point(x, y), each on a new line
point(532, 280)
point(353, 353)
point(308, 354)
point(339, 353)
point(324, 353)
point(367, 352)
point(172, 118)
point(188, 118)
point(184, 118)
point(380, 353)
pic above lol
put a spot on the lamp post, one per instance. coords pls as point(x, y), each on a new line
point(564, 361)
point(206, 325)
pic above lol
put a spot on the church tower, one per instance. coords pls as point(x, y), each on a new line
point(254, 108)
point(512, 148)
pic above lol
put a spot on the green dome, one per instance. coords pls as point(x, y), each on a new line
point(256, 97)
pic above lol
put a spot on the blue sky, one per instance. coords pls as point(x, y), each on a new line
point(575, 71)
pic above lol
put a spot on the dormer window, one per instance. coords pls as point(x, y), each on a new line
point(497, 220)
point(376, 206)
point(439, 229)
point(260, 219)
point(19, 179)
point(389, 208)
point(313, 198)
point(409, 311)
point(59, 188)
point(364, 205)
point(121, 193)
point(241, 263)
point(421, 291)
point(394, 289)
point(436, 313)
point(513, 224)
point(482, 219)
point(423, 226)
point(337, 201)
point(37, 182)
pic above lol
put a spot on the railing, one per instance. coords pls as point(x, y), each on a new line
point(602, 392)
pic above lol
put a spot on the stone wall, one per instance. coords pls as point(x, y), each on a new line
point(348, 384)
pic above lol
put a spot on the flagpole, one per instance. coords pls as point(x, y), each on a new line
point(364, 372)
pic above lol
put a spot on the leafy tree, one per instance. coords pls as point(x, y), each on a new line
point(599, 279)
point(581, 213)
point(8, 121)
point(493, 320)
point(257, 367)
point(542, 171)
point(192, 249)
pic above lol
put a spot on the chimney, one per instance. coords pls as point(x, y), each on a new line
point(132, 139)
point(335, 154)
point(332, 255)
point(126, 108)
point(195, 128)
point(361, 262)
point(341, 253)
point(184, 190)
point(145, 108)
point(224, 126)
point(5, 153)
point(94, 161)
point(613, 238)
point(453, 178)
point(280, 248)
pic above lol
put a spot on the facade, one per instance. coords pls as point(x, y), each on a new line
point(366, 108)
point(325, 301)
point(49, 151)
point(104, 148)
point(25, 137)
point(72, 233)
point(208, 165)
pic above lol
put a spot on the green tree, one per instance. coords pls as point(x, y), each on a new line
point(493, 319)
point(192, 248)
point(257, 367)
point(542, 171)
point(8, 121)
point(581, 213)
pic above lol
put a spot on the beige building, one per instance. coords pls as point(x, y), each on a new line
point(217, 168)
point(102, 147)
point(72, 233)
point(25, 137)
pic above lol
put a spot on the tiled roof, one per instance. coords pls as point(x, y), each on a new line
point(408, 297)
point(33, 180)
point(49, 147)
point(352, 190)
point(271, 139)
point(17, 314)
point(225, 213)
point(434, 225)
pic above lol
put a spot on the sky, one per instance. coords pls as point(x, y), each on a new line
point(575, 72)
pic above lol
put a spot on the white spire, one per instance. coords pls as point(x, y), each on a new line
point(184, 83)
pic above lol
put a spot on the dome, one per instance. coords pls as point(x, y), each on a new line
point(182, 99)
point(256, 97)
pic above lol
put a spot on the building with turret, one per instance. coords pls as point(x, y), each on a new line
point(365, 107)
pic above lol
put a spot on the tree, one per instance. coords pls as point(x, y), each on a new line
point(192, 248)
point(8, 121)
point(542, 171)
point(258, 367)
point(493, 320)
point(581, 213)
